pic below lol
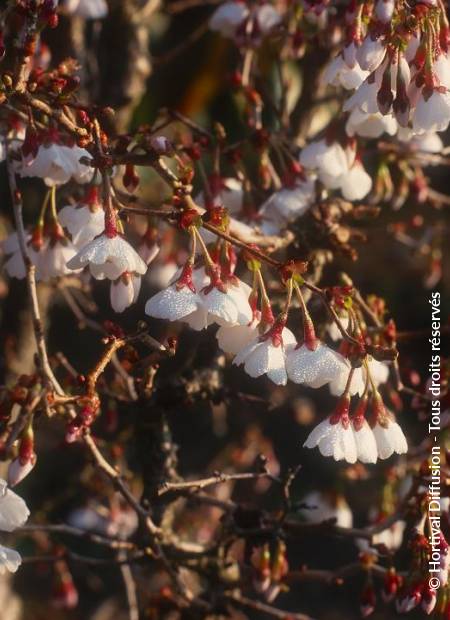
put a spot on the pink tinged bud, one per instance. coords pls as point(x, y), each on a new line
point(412, 598)
point(73, 432)
point(401, 105)
point(130, 178)
point(65, 594)
point(392, 583)
point(368, 601)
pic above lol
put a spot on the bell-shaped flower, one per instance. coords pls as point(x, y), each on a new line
point(84, 221)
point(178, 301)
point(370, 125)
point(432, 111)
point(124, 291)
point(108, 256)
point(370, 53)
point(338, 73)
point(55, 254)
point(13, 510)
point(379, 373)
point(356, 183)
point(232, 338)
point(315, 368)
point(328, 158)
point(365, 96)
point(56, 164)
point(227, 303)
point(266, 354)
point(366, 446)
point(286, 205)
point(10, 560)
point(13, 514)
point(14, 264)
point(334, 436)
point(388, 434)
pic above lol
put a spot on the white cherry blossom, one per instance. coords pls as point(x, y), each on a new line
point(432, 112)
point(13, 514)
point(14, 265)
point(83, 221)
point(356, 183)
point(370, 125)
point(54, 257)
point(233, 338)
point(315, 368)
point(334, 436)
point(108, 257)
point(176, 302)
point(266, 354)
point(388, 434)
point(13, 510)
point(124, 291)
point(370, 53)
point(338, 73)
point(286, 205)
point(194, 299)
point(10, 560)
point(57, 164)
point(366, 446)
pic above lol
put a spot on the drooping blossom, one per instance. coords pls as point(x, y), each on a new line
point(232, 338)
point(13, 514)
point(195, 299)
point(236, 20)
point(339, 73)
point(315, 368)
point(124, 291)
point(366, 447)
point(108, 256)
point(334, 436)
point(84, 220)
point(388, 434)
point(266, 354)
point(285, 206)
point(56, 164)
